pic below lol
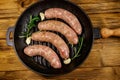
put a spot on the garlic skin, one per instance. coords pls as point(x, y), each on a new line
point(42, 16)
point(67, 61)
point(28, 40)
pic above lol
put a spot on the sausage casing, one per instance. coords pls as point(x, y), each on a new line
point(45, 52)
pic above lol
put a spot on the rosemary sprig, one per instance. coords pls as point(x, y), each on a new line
point(76, 51)
point(30, 26)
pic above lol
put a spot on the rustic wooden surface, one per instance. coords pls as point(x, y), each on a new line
point(103, 63)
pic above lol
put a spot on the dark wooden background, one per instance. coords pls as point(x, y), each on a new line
point(103, 63)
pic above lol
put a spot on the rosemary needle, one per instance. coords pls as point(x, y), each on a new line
point(30, 25)
point(77, 51)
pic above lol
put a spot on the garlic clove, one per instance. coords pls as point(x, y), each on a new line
point(28, 40)
point(42, 16)
point(67, 61)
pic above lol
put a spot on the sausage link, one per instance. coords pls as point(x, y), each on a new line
point(67, 16)
point(45, 52)
point(61, 27)
point(53, 38)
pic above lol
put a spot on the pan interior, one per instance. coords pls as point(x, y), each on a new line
point(38, 63)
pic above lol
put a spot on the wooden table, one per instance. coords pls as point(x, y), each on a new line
point(103, 63)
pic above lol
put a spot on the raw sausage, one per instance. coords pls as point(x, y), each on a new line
point(45, 52)
point(53, 38)
point(66, 16)
point(61, 27)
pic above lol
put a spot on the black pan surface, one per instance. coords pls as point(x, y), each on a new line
point(39, 64)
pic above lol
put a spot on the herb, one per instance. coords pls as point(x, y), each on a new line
point(30, 26)
point(76, 51)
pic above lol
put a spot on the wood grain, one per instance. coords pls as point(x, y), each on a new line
point(110, 55)
point(8, 58)
point(92, 1)
point(117, 72)
point(82, 74)
point(103, 62)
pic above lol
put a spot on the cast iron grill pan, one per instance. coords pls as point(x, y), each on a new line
point(38, 63)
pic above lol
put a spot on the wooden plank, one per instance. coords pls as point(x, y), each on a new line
point(89, 8)
point(109, 7)
point(10, 66)
point(6, 1)
point(117, 72)
point(105, 20)
point(98, 7)
point(103, 6)
point(8, 58)
point(6, 23)
point(8, 5)
point(92, 1)
point(2, 34)
point(111, 52)
point(13, 8)
point(11, 15)
point(10, 61)
point(13, 67)
point(4, 46)
point(78, 74)
point(6, 11)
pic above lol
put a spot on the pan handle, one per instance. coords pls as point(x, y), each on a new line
point(9, 42)
point(105, 32)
